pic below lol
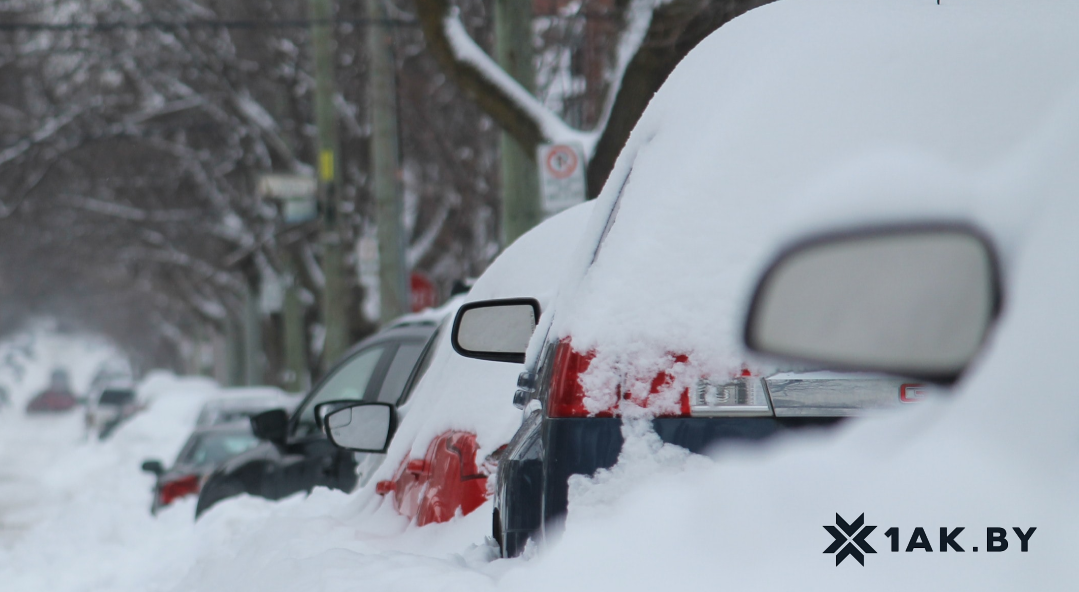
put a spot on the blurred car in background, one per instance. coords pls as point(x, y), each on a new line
point(294, 454)
point(206, 448)
point(107, 408)
point(459, 417)
point(243, 403)
point(57, 397)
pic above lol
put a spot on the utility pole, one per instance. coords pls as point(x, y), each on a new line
point(296, 379)
point(521, 208)
point(334, 294)
point(252, 337)
point(385, 165)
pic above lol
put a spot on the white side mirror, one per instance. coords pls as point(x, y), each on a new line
point(914, 301)
point(362, 427)
point(497, 330)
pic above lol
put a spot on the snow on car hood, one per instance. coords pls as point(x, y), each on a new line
point(903, 109)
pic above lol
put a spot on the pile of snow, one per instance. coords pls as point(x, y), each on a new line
point(780, 110)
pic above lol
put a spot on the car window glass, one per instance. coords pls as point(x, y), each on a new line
point(400, 369)
point(425, 362)
point(212, 449)
point(116, 397)
point(348, 383)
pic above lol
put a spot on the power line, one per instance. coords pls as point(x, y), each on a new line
point(171, 25)
point(174, 25)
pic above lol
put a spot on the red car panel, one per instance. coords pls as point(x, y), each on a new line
point(447, 479)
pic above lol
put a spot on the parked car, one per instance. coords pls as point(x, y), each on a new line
point(458, 418)
point(729, 152)
point(243, 403)
point(206, 449)
point(293, 454)
point(57, 397)
point(927, 233)
point(110, 406)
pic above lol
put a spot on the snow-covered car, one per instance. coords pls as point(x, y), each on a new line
point(929, 233)
point(742, 134)
point(294, 454)
point(206, 448)
point(459, 416)
point(110, 406)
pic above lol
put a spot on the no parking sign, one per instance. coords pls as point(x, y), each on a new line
point(561, 175)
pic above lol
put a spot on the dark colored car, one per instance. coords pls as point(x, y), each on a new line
point(206, 448)
point(294, 454)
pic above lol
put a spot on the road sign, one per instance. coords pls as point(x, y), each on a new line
point(562, 178)
point(423, 290)
point(295, 192)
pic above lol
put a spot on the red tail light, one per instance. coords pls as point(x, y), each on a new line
point(566, 398)
point(177, 488)
point(673, 387)
point(567, 394)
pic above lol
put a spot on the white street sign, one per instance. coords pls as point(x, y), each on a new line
point(562, 180)
point(296, 193)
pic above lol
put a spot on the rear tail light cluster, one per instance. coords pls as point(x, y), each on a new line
point(739, 396)
point(177, 488)
point(567, 396)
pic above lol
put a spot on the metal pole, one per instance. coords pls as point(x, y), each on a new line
point(252, 338)
point(297, 377)
point(334, 296)
point(385, 166)
point(521, 208)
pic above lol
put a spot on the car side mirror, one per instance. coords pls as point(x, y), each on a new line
point(271, 425)
point(496, 330)
point(153, 466)
point(362, 427)
point(325, 408)
point(914, 301)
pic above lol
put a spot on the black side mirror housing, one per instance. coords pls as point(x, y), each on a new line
point(271, 425)
point(153, 466)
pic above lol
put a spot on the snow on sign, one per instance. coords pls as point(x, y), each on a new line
point(561, 176)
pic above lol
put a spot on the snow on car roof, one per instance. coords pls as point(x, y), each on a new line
point(772, 114)
point(459, 393)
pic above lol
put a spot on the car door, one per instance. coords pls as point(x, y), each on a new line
point(310, 459)
point(377, 373)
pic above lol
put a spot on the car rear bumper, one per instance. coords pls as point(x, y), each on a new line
point(581, 446)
